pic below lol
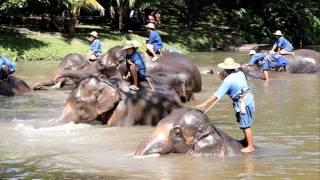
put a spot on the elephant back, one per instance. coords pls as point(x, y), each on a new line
point(13, 86)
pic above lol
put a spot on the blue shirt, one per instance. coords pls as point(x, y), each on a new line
point(7, 62)
point(283, 43)
point(278, 60)
point(95, 47)
point(256, 58)
point(136, 58)
point(155, 40)
point(232, 85)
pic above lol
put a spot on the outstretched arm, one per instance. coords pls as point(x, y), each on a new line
point(266, 75)
point(211, 99)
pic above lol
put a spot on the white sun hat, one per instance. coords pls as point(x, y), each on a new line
point(278, 33)
point(251, 52)
point(94, 34)
point(229, 63)
point(131, 44)
point(151, 26)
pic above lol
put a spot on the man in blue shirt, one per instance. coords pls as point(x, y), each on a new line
point(282, 45)
point(268, 62)
point(260, 60)
point(235, 86)
point(136, 69)
point(95, 47)
point(6, 68)
point(154, 44)
point(278, 62)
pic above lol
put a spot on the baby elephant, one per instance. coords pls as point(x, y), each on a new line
point(189, 131)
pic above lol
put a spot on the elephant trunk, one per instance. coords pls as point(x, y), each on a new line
point(68, 114)
point(155, 144)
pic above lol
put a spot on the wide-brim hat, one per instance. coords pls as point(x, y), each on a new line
point(229, 63)
point(131, 44)
point(94, 34)
point(278, 33)
point(251, 52)
point(151, 26)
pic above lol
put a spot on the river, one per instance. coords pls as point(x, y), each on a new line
point(286, 132)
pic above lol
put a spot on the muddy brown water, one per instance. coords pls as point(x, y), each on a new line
point(286, 132)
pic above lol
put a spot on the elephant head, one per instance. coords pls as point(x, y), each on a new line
point(188, 131)
point(181, 82)
point(73, 61)
point(112, 58)
point(91, 100)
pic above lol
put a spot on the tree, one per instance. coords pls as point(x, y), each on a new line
point(74, 7)
point(122, 7)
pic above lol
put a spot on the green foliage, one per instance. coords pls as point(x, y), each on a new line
point(76, 5)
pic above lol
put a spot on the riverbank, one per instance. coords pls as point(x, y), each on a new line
point(21, 44)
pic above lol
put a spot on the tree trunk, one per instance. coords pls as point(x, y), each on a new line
point(72, 23)
point(120, 25)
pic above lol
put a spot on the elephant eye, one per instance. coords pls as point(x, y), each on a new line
point(177, 133)
point(121, 58)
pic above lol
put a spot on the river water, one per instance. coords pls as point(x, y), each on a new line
point(286, 132)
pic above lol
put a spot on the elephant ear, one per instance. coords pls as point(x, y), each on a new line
point(108, 96)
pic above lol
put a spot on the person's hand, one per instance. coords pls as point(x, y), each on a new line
point(127, 76)
point(201, 106)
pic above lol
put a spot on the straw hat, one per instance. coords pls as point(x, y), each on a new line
point(151, 26)
point(94, 34)
point(278, 33)
point(229, 64)
point(251, 52)
point(131, 44)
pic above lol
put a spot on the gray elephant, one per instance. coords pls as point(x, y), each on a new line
point(111, 102)
point(13, 86)
point(190, 132)
point(71, 62)
point(169, 62)
point(304, 61)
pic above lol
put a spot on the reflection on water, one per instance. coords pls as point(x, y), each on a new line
point(286, 131)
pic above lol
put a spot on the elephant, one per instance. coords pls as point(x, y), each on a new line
point(189, 131)
point(304, 61)
point(112, 63)
point(180, 82)
point(71, 62)
point(110, 102)
point(170, 62)
point(13, 86)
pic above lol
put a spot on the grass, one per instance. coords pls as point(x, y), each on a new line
point(53, 46)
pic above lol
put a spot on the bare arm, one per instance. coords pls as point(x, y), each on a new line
point(266, 75)
point(211, 99)
point(274, 47)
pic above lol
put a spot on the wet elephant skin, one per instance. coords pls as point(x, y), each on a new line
point(13, 86)
point(111, 102)
point(190, 132)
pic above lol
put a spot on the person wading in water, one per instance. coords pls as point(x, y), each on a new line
point(235, 86)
